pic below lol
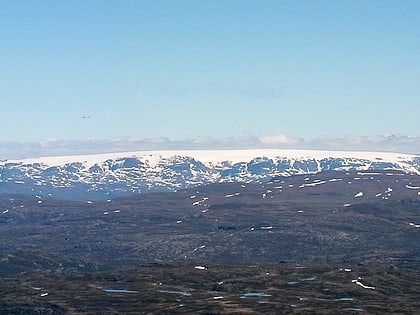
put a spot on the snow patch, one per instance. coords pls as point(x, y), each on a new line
point(313, 184)
point(200, 267)
point(362, 285)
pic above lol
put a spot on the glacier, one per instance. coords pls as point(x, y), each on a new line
point(100, 176)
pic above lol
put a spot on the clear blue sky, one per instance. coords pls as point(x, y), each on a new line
point(184, 69)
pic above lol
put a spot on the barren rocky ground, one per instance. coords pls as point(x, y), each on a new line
point(317, 244)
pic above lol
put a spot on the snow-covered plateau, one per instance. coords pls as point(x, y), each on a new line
point(125, 173)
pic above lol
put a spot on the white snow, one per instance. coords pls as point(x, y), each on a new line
point(359, 194)
point(312, 184)
point(232, 195)
point(369, 173)
point(412, 187)
point(362, 285)
point(200, 267)
point(215, 156)
point(157, 169)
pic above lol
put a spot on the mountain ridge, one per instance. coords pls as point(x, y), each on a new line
point(102, 176)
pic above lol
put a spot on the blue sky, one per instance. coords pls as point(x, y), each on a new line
point(187, 69)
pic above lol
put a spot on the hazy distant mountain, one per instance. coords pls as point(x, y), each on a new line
point(112, 175)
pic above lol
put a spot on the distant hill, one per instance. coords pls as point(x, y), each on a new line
point(330, 217)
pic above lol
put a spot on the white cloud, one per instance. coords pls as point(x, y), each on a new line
point(278, 140)
point(386, 143)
